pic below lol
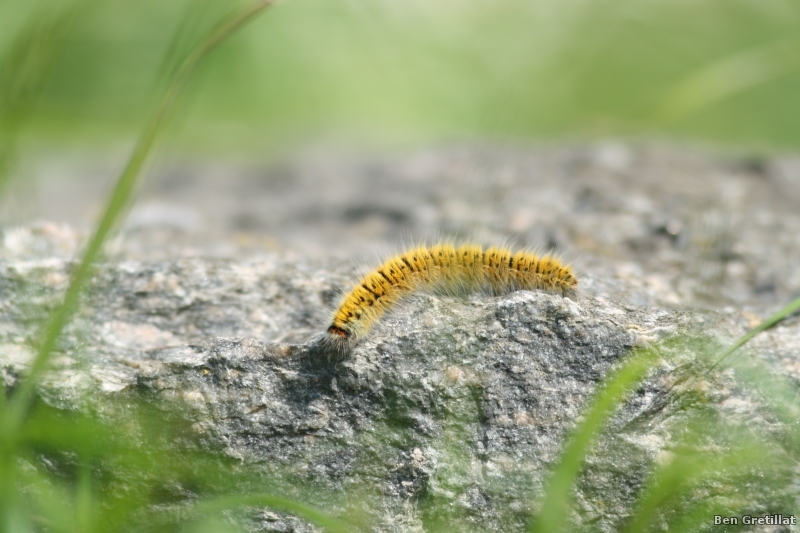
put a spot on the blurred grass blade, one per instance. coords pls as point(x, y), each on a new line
point(670, 480)
point(84, 500)
point(49, 506)
point(24, 69)
point(729, 468)
point(555, 506)
point(194, 24)
point(263, 500)
point(119, 198)
point(768, 323)
point(728, 76)
point(780, 392)
point(689, 468)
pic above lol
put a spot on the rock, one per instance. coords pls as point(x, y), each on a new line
point(453, 410)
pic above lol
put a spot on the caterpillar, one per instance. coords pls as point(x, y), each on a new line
point(446, 269)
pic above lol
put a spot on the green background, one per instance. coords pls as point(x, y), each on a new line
point(384, 72)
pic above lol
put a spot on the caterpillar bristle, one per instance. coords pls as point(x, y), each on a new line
point(442, 268)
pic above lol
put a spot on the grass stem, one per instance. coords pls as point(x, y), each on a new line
point(122, 192)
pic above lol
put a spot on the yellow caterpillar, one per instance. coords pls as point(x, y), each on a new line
point(447, 269)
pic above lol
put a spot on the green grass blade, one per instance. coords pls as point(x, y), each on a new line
point(688, 469)
point(119, 198)
point(84, 499)
point(670, 481)
point(24, 69)
point(264, 500)
point(557, 499)
point(768, 323)
point(728, 76)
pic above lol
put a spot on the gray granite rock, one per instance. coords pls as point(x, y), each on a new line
point(453, 410)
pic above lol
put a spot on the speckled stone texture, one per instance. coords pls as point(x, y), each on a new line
point(454, 409)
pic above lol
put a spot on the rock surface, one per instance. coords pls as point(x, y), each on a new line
point(454, 409)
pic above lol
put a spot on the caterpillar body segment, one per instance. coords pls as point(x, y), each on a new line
point(442, 269)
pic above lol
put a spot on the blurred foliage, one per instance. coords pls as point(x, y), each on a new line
point(132, 468)
point(76, 471)
point(418, 71)
point(712, 461)
point(129, 462)
point(87, 71)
